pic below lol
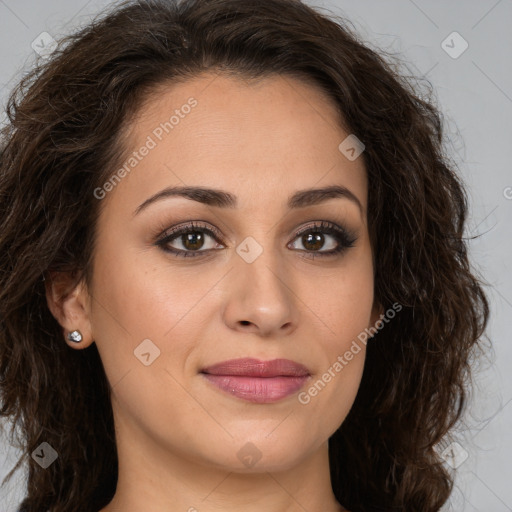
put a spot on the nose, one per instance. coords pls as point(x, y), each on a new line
point(260, 298)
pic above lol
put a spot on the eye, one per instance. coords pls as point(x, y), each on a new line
point(313, 238)
point(192, 239)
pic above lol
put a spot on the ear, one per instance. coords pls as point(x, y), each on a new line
point(69, 302)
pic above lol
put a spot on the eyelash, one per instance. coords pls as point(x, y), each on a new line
point(344, 238)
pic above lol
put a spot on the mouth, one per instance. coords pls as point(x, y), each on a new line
point(257, 381)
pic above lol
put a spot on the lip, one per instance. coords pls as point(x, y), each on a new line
point(250, 367)
point(257, 381)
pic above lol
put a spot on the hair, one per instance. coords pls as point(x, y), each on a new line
point(67, 121)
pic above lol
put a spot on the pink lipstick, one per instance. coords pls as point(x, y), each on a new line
point(258, 381)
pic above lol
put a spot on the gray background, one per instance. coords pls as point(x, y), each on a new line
point(474, 91)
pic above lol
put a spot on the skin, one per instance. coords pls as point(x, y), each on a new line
point(177, 435)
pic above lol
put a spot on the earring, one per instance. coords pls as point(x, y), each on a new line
point(75, 336)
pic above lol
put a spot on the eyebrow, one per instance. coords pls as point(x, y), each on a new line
point(224, 199)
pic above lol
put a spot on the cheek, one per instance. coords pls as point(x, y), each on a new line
point(329, 396)
point(343, 301)
point(335, 406)
point(342, 307)
point(136, 299)
point(139, 302)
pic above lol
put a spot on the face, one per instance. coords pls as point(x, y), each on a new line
point(262, 268)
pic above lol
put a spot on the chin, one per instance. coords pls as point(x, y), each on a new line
point(256, 454)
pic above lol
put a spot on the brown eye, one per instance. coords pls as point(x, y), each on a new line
point(318, 236)
point(193, 241)
point(189, 240)
point(313, 241)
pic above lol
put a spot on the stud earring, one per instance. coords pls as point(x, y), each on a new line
point(75, 336)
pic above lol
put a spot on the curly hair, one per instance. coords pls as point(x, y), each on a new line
point(67, 121)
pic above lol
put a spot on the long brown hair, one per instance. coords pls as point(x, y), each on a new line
point(66, 136)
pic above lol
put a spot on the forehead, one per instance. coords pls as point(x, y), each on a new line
point(260, 139)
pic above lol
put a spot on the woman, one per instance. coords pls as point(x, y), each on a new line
point(233, 272)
